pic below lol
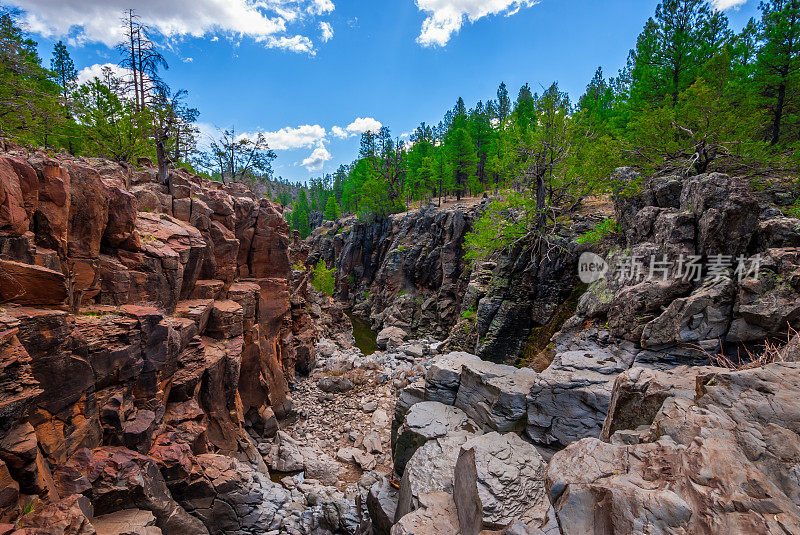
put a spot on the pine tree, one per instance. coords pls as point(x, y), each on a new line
point(303, 226)
point(778, 61)
point(503, 103)
point(464, 159)
point(332, 210)
point(64, 69)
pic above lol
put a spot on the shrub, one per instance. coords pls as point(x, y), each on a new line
point(793, 210)
point(603, 229)
point(324, 279)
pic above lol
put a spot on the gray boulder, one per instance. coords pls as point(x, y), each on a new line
point(494, 395)
point(499, 479)
point(426, 421)
point(570, 399)
point(444, 376)
point(430, 469)
point(391, 338)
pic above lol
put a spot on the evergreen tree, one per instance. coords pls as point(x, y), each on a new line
point(332, 210)
point(778, 63)
point(503, 103)
point(302, 225)
point(464, 159)
point(64, 69)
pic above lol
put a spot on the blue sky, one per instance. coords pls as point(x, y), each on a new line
point(303, 71)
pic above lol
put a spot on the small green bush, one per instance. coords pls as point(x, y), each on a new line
point(469, 314)
point(793, 210)
point(324, 279)
point(605, 228)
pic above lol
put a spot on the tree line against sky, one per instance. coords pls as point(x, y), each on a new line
point(694, 96)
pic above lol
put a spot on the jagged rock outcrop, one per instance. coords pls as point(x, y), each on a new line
point(405, 271)
point(408, 272)
point(147, 332)
point(715, 462)
point(720, 289)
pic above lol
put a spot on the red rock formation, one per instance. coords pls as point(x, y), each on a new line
point(127, 344)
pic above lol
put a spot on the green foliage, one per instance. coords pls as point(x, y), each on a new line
point(332, 209)
point(324, 279)
point(793, 210)
point(503, 223)
point(469, 314)
point(603, 229)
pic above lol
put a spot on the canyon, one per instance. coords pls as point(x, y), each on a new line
point(168, 366)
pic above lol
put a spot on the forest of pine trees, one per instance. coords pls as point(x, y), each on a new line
point(695, 96)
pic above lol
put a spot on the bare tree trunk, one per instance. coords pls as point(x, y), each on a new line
point(141, 68)
point(541, 197)
point(133, 60)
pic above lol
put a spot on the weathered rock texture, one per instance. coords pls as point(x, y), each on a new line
point(716, 461)
point(409, 272)
point(147, 332)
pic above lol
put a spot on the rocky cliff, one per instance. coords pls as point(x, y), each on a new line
point(408, 272)
point(149, 334)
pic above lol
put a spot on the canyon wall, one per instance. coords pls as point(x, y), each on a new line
point(409, 272)
point(143, 328)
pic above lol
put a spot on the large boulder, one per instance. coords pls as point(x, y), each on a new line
point(430, 469)
point(426, 421)
point(493, 395)
point(391, 338)
point(499, 479)
point(570, 399)
point(443, 377)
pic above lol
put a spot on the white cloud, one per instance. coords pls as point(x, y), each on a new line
point(724, 5)
point(188, 60)
point(364, 124)
point(446, 17)
point(321, 7)
point(87, 74)
point(327, 31)
point(289, 138)
point(317, 158)
point(339, 132)
point(264, 21)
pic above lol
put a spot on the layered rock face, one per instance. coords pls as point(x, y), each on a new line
point(145, 330)
point(409, 273)
point(406, 271)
